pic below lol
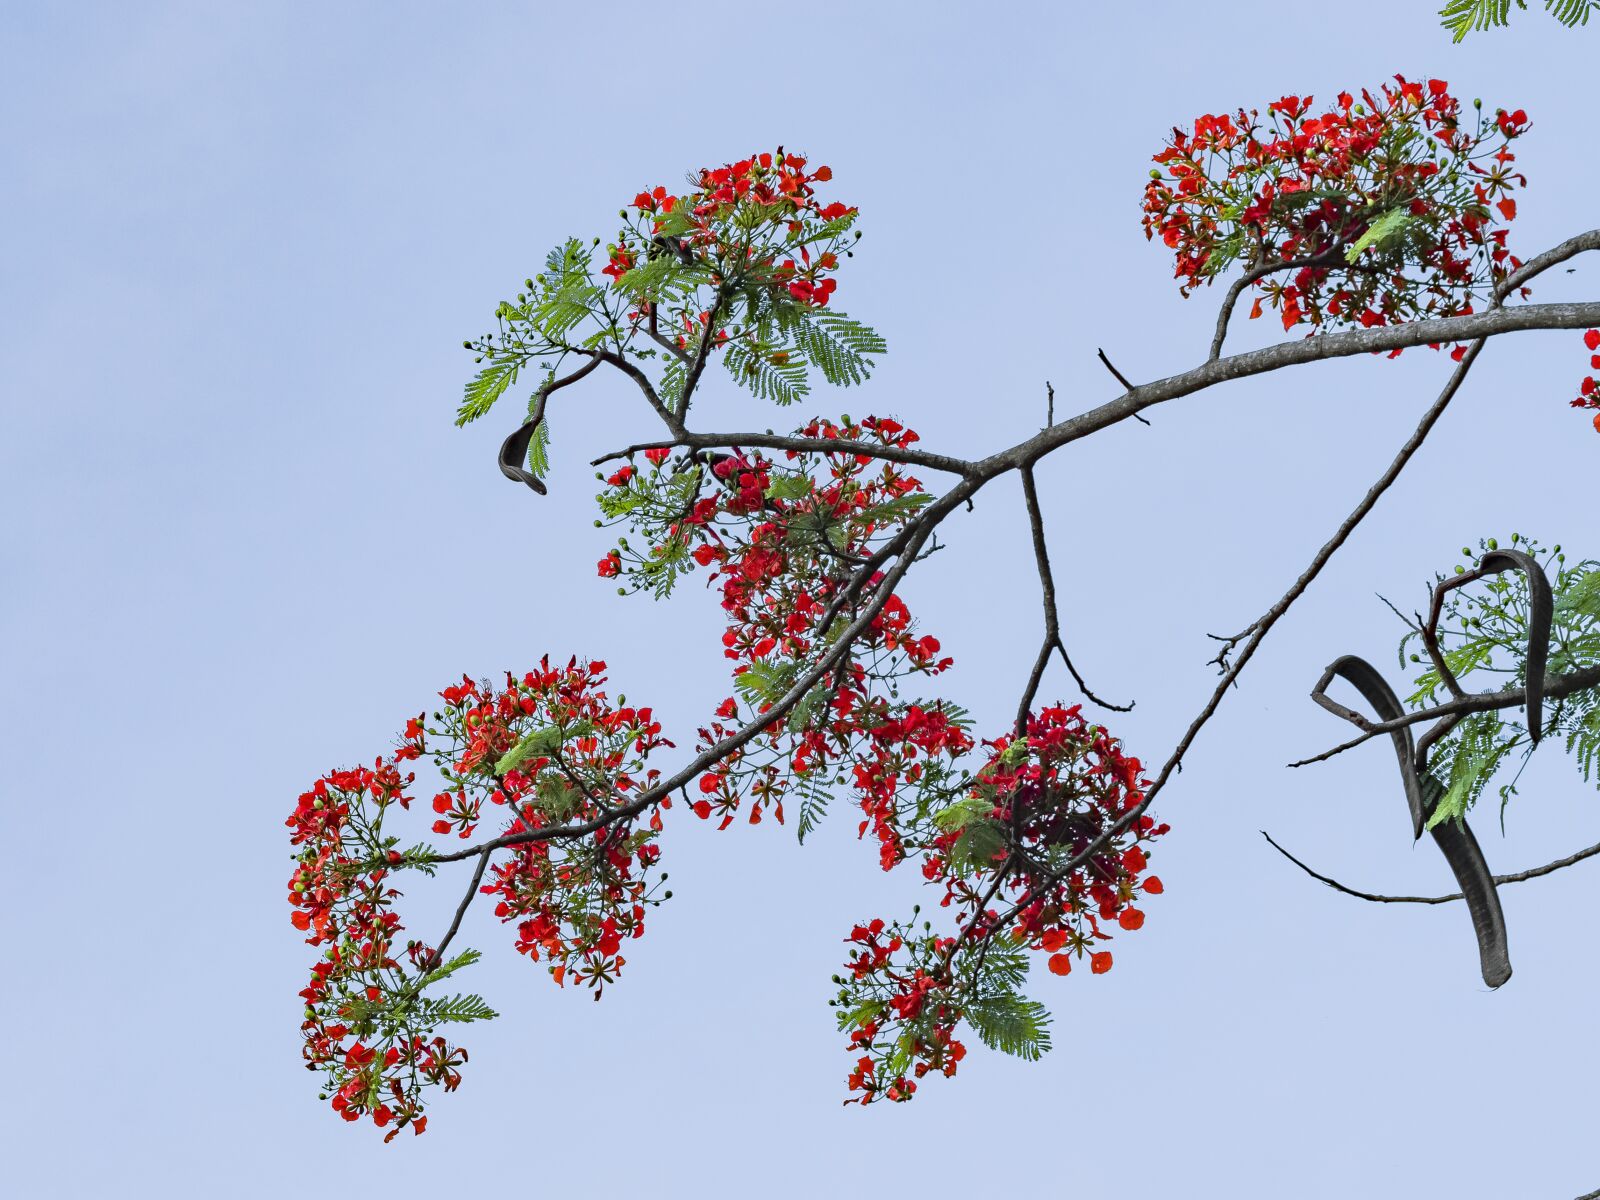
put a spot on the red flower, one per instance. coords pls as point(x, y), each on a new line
point(1100, 962)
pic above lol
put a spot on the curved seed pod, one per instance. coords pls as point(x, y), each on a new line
point(514, 450)
point(1540, 608)
point(514, 453)
point(1367, 680)
point(1454, 838)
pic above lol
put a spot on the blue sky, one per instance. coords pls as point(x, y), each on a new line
point(243, 245)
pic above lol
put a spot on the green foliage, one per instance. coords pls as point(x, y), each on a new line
point(768, 371)
point(1379, 232)
point(1466, 760)
point(539, 743)
point(813, 790)
point(783, 338)
point(980, 843)
point(1461, 17)
point(409, 1013)
point(1483, 629)
point(765, 682)
point(487, 386)
point(455, 1009)
point(1011, 1023)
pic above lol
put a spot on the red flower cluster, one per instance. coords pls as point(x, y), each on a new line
point(1589, 389)
point(552, 751)
point(1040, 803)
point(567, 758)
point(784, 542)
point(1388, 206)
point(758, 219)
point(360, 989)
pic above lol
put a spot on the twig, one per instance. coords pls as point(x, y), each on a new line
point(1263, 625)
point(804, 445)
point(483, 853)
point(1516, 877)
point(1052, 618)
point(1556, 687)
point(1122, 379)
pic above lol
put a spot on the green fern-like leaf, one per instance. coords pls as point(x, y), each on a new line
point(1462, 17)
point(1011, 1024)
point(487, 386)
point(457, 1009)
point(782, 383)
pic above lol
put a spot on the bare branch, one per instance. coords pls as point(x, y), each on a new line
point(1120, 378)
point(1444, 331)
point(1549, 868)
point(1556, 687)
point(1330, 258)
point(671, 419)
point(1570, 248)
point(483, 853)
point(1263, 625)
point(1052, 618)
point(804, 445)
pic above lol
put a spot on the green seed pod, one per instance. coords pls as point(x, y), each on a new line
point(1493, 545)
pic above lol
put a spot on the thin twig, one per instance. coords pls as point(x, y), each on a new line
point(1052, 617)
point(1556, 687)
point(803, 445)
point(1263, 625)
point(1122, 379)
point(483, 853)
point(1516, 877)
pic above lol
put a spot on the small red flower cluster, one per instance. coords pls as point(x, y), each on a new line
point(553, 752)
point(784, 542)
point(1358, 196)
point(359, 988)
point(756, 217)
point(1039, 804)
point(569, 759)
point(1589, 389)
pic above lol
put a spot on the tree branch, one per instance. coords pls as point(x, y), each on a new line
point(1052, 618)
point(671, 419)
point(1516, 877)
point(922, 527)
point(1491, 323)
point(803, 445)
point(1556, 687)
